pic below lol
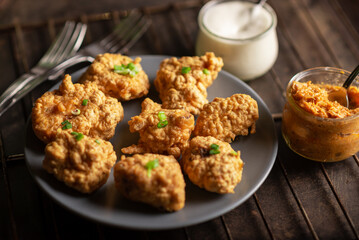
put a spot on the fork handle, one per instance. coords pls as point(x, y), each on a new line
point(27, 82)
point(53, 73)
point(7, 98)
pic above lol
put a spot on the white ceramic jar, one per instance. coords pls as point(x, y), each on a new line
point(247, 52)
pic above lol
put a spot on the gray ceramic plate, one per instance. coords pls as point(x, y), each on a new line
point(258, 151)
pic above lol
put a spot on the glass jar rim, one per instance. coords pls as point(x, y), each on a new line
point(212, 3)
point(306, 72)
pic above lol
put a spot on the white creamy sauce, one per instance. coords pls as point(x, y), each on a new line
point(229, 18)
point(248, 52)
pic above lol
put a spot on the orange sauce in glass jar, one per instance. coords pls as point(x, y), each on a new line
point(315, 127)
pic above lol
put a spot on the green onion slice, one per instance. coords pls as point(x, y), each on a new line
point(84, 102)
point(97, 141)
point(129, 69)
point(162, 124)
point(186, 70)
point(163, 120)
point(206, 71)
point(66, 125)
point(234, 153)
point(162, 116)
point(151, 165)
point(214, 151)
point(78, 136)
point(117, 68)
point(131, 66)
point(64, 122)
point(214, 146)
point(76, 112)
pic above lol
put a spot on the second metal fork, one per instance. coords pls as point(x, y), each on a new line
point(66, 45)
point(122, 38)
point(125, 34)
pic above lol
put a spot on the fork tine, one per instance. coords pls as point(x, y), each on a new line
point(69, 26)
point(73, 44)
point(126, 40)
point(79, 40)
point(59, 51)
point(142, 29)
point(124, 26)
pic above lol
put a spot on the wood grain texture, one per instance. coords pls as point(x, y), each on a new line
point(7, 220)
point(28, 212)
point(245, 222)
point(297, 200)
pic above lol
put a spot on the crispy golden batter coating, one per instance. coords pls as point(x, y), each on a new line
point(97, 119)
point(225, 118)
point(163, 187)
point(187, 90)
point(84, 165)
point(218, 173)
point(123, 87)
point(170, 139)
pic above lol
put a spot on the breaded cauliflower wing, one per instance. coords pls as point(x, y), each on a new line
point(153, 179)
point(182, 83)
point(82, 108)
point(225, 118)
point(212, 164)
point(170, 137)
point(119, 83)
point(83, 164)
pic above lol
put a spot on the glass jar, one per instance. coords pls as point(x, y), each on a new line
point(246, 57)
point(317, 138)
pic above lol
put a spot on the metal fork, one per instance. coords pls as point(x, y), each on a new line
point(122, 38)
point(66, 45)
point(125, 34)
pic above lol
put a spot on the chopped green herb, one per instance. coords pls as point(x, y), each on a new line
point(151, 165)
point(206, 71)
point(186, 70)
point(130, 69)
point(214, 149)
point(84, 102)
point(76, 111)
point(162, 124)
point(214, 146)
point(78, 136)
point(117, 68)
point(234, 153)
point(66, 125)
point(131, 66)
point(97, 141)
point(162, 116)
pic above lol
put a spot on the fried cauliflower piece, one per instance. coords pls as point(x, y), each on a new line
point(65, 108)
point(219, 171)
point(84, 164)
point(121, 86)
point(225, 118)
point(153, 179)
point(179, 90)
point(154, 138)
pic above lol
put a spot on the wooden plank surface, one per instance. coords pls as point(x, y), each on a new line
point(299, 199)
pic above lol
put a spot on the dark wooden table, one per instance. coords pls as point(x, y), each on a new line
point(300, 199)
